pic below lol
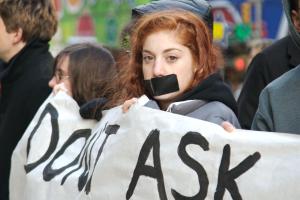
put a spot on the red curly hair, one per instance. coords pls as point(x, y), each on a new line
point(191, 32)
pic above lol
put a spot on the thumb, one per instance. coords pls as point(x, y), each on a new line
point(227, 126)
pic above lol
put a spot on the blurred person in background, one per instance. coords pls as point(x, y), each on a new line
point(26, 27)
point(256, 46)
point(240, 59)
point(85, 71)
point(269, 64)
point(235, 65)
point(173, 61)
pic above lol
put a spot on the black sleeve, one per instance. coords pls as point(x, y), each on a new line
point(256, 79)
point(15, 124)
point(35, 98)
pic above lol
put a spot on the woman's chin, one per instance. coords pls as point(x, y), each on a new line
point(167, 97)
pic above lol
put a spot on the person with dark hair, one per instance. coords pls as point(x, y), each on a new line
point(269, 64)
point(26, 27)
point(173, 61)
point(85, 72)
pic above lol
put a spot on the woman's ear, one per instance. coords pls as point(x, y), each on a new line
point(296, 20)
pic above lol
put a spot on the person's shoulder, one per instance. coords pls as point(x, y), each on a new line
point(274, 56)
point(214, 108)
point(278, 46)
point(217, 112)
point(286, 81)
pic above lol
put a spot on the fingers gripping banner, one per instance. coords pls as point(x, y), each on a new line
point(148, 154)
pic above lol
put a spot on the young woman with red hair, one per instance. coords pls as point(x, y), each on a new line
point(173, 62)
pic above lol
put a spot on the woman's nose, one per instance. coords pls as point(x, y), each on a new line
point(159, 68)
point(52, 82)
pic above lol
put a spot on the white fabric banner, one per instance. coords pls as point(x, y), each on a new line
point(148, 154)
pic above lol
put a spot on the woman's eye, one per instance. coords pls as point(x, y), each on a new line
point(172, 59)
point(58, 74)
point(147, 58)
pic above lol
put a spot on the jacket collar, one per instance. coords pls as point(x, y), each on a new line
point(17, 65)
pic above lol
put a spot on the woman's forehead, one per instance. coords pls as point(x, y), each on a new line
point(63, 63)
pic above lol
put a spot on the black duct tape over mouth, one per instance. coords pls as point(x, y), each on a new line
point(162, 85)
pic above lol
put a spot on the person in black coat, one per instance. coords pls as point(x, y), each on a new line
point(25, 30)
point(269, 64)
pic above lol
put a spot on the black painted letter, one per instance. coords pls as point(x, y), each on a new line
point(226, 178)
point(54, 137)
point(49, 173)
point(109, 130)
point(152, 141)
point(193, 138)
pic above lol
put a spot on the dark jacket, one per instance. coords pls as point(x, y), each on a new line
point(24, 86)
point(211, 101)
point(266, 66)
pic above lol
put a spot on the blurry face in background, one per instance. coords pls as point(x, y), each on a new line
point(164, 55)
point(61, 75)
